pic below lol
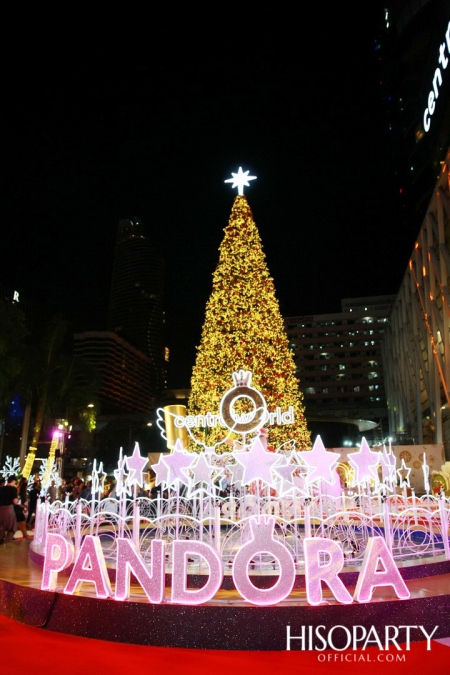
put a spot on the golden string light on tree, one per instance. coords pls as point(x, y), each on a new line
point(243, 329)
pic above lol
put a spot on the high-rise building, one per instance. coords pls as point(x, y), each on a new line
point(413, 52)
point(417, 345)
point(124, 372)
point(338, 361)
point(136, 310)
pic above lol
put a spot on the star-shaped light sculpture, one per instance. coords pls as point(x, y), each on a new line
point(135, 466)
point(285, 471)
point(403, 473)
point(121, 477)
point(240, 179)
point(257, 463)
point(322, 462)
point(161, 470)
point(201, 474)
point(237, 473)
point(98, 478)
point(300, 485)
point(388, 462)
point(365, 463)
point(176, 462)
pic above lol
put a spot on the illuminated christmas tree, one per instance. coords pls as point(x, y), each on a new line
point(243, 329)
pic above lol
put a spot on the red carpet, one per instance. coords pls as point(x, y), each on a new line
point(45, 651)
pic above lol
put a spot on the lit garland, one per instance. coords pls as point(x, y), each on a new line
point(244, 329)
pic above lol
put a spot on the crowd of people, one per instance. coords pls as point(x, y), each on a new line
point(18, 500)
point(17, 508)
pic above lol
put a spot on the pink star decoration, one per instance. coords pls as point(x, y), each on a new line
point(176, 462)
point(284, 471)
point(201, 472)
point(321, 461)
point(161, 470)
point(365, 463)
point(257, 463)
point(135, 466)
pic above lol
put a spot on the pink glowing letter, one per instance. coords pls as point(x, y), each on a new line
point(129, 560)
point(370, 577)
point(263, 541)
point(90, 566)
point(315, 571)
point(52, 564)
point(181, 550)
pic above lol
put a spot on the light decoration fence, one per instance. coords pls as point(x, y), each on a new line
point(413, 528)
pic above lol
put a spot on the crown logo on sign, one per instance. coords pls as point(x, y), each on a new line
point(243, 378)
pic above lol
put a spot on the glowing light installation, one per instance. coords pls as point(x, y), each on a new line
point(180, 593)
point(371, 577)
point(316, 571)
point(321, 461)
point(276, 496)
point(240, 179)
point(244, 330)
point(257, 463)
point(365, 463)
point(263, 541)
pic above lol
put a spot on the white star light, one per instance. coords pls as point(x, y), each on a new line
point(237, 472)
point(284, 470)
point(322, 461)
point(135, 465)
point(257, 463)
point(403, 473)
point(240, 179)
point(388, 463)
point(365, 463)
point(176, 462)
point(161, 470)
point(202, 474)
point(98, 478)
point(122, 486)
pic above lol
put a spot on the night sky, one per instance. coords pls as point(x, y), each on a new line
point(155, 135)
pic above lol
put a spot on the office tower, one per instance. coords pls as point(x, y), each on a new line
point(413, 52)
point(124, 372)
point(338, 360)
point(136, 304)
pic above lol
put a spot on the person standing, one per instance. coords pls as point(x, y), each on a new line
point(8, 522)
point(33, 497)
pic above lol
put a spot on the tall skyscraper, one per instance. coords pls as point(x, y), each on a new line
point(136, 310)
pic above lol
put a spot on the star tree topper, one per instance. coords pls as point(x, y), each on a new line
point(240, 179)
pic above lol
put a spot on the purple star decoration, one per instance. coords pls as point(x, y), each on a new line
point(176, 462)
point(135, 466)
point(202, 473)
point(257, 463)
point(365, 463)
point(321, 461)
